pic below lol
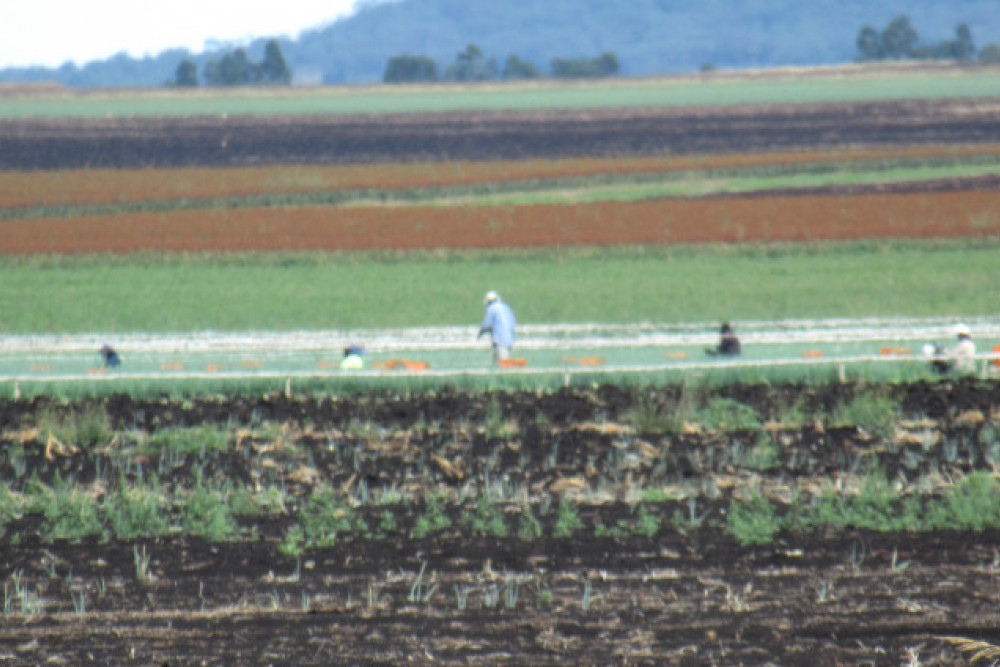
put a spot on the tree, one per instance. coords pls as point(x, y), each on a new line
point(963, 47)
point(274, 69)
point(604, 65)
point(235, 69)
point(899, 38)
point(870, 44)
point(410, 69)
point(990, 54)
point(607, 64)
point(471, 65)
point(186, 75)
point(515, 68)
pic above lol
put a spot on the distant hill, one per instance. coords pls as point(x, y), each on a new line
point(648, 36)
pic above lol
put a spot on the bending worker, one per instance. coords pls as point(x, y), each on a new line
point(499, 323)
point(353, 358)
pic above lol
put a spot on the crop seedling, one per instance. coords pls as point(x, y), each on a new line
point(488, 519)
point(974, 504)
point(387, 524)
point(647, 524)
point(293, 544)
point(207, 514)
point(650, 416)
point(462, 596)
point(417, 592)
point(433, 519)
point(491, 596)
point(725, 414)
point(141, 560)
point(528, 526)
point(136, 511)
point(79, 599)
point(511, 591)
point(324, 516)
point(589, 597)
point(567, 520)
point(872, 410)
point(197, 440)
point(85, 427)
point(495, 425)
point(752, 521)
point(69, 513)
point(764, 455)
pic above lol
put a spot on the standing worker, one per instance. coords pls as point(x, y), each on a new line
point(499, 323)
point(964, 351)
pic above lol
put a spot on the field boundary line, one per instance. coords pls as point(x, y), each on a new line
point(842, 361)
point(531, 336)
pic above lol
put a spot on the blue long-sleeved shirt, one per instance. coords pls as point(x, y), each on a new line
point(499, 322)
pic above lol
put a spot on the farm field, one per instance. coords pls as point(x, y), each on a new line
point(673, 525)
point(642, 505)
point(433, 358)
point(885, 81)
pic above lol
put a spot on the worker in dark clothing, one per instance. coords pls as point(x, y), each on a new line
point(729, 342)
point(110, 356)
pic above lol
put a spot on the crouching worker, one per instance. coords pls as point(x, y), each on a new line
point(959, 359)
point(353, 358)
point(729, 342)
point(110, 357)
point(499, 323)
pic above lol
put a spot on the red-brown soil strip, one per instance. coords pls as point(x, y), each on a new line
point(110, 186)
point(668, 221)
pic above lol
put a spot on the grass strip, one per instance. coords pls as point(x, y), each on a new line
point(289, 291)
point(837, 84)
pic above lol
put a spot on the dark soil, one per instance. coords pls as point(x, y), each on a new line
point(686, 596)
point(27, 144)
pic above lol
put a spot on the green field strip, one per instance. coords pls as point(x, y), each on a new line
point(148, 292)
point(590, 189)
point(714, 90)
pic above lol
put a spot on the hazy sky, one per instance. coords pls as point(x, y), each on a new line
point(52, 32)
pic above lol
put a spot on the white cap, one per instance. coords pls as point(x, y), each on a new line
point(961, 330)
point(491, 296)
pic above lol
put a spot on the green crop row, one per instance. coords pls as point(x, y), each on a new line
point(221, 512)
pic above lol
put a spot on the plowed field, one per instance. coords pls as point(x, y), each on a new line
point(124, 143)
point(681, 591)
point(127, 160)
